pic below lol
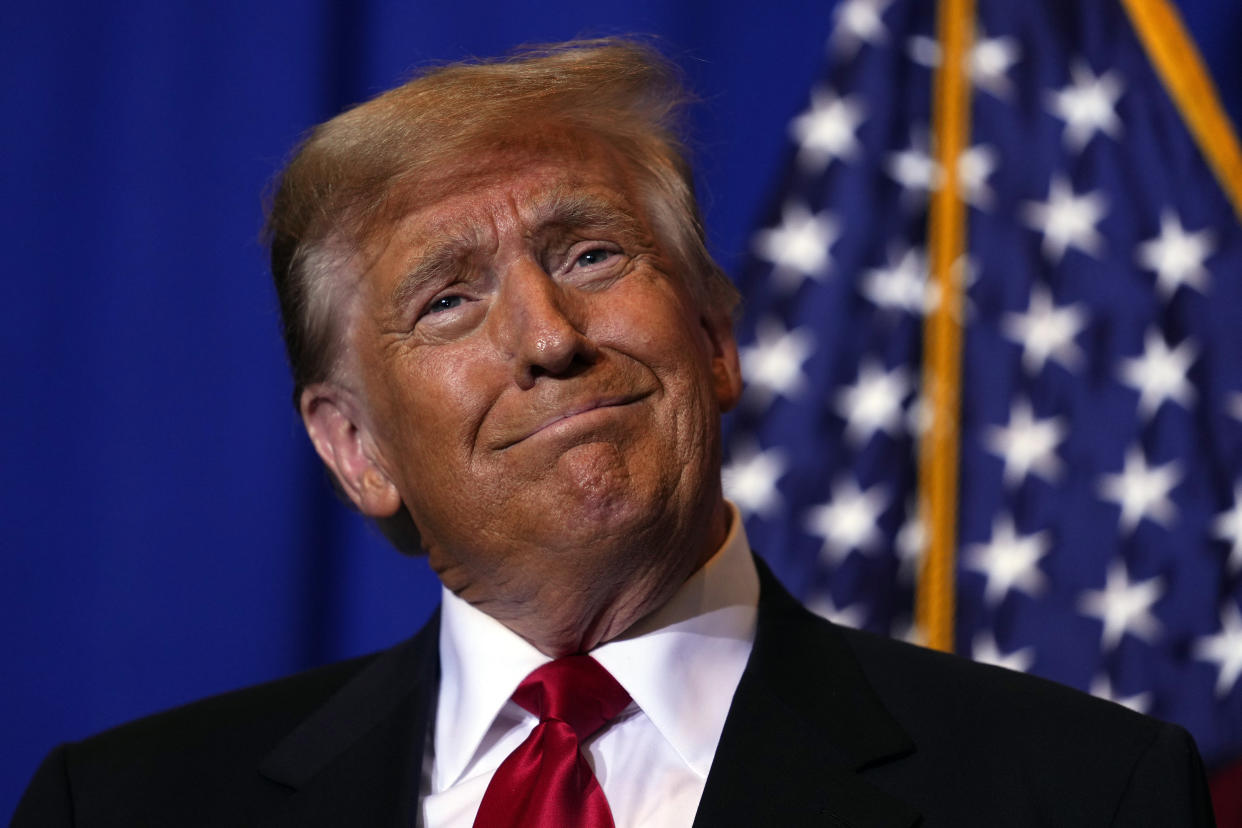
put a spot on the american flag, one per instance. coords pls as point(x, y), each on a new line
point(1099, 515)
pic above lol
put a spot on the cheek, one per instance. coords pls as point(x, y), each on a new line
point(654, 321)
point(430, 411)
point(664, 336)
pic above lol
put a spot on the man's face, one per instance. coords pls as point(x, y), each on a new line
point(538, 385)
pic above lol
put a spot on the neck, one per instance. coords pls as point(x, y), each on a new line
point(583, 608)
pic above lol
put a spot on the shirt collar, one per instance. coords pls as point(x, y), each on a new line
point(680, 664)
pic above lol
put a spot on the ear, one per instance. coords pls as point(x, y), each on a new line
point(726, 370)
point(333, 419)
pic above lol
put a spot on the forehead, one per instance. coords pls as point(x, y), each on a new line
point(529, 178)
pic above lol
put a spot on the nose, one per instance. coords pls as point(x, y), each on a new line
point(537, 325)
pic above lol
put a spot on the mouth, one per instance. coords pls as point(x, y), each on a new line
point(576, 412)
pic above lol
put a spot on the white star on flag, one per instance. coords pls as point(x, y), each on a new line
point(1228, 527)
point(1224, 649)
point(856, 22)
point(918, 173)
point(1087, 105)
point(1067, 220)
point(1046, 331)
point(974, 167)
point(1234, 405)
point(991, 58)
point(773, 365)
point(847, 521)
point(1008, 561)
point(1027, 445)
point(905, 628)
point(750, 479)
point(826, 131)
point(1102, 688)
point(919, 414)
point(822, 605)
point(798, 247)
point(1124, 606)
point(874, 402)
point(911, 543)
point(983, 648)
point(963, 273)
point(1159, 374)
point(988, 62)
point(1176, 256)
point(1142, 491)
point(914, 168)
point(902, 285)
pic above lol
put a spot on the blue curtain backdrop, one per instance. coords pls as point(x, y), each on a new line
point(166, 530)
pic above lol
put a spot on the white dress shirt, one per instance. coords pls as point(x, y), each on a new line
point(680, 665)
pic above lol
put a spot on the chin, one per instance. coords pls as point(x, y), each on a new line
point(598, 482)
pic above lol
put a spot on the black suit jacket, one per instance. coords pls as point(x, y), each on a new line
point(829, 727)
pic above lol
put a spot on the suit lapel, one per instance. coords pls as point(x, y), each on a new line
point(803, 723)
point(358, 759)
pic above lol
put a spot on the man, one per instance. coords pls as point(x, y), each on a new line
point(512, 349)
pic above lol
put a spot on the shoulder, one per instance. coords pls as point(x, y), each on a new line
point(206, 762)
point(1068, 757)
point(937, 691)
point(982, 744)
point(940, 697)
point(146, 765)
point(242, 720)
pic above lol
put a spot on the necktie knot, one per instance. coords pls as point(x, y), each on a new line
point(546, 780)
point(575, 690)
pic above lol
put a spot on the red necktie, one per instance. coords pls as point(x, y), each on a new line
point(546, 781)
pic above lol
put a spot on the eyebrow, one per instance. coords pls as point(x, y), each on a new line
point(586, 210)
point(440, 256)
point(561, 210)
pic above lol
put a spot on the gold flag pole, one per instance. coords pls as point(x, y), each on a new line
point(1181, 70)
point(942, 333)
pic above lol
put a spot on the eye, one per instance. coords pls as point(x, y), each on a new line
point(444, 303)
point(593, 257)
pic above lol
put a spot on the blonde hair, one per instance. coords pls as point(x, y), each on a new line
point(354, 174)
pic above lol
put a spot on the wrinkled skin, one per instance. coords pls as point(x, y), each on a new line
point(527, 372)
